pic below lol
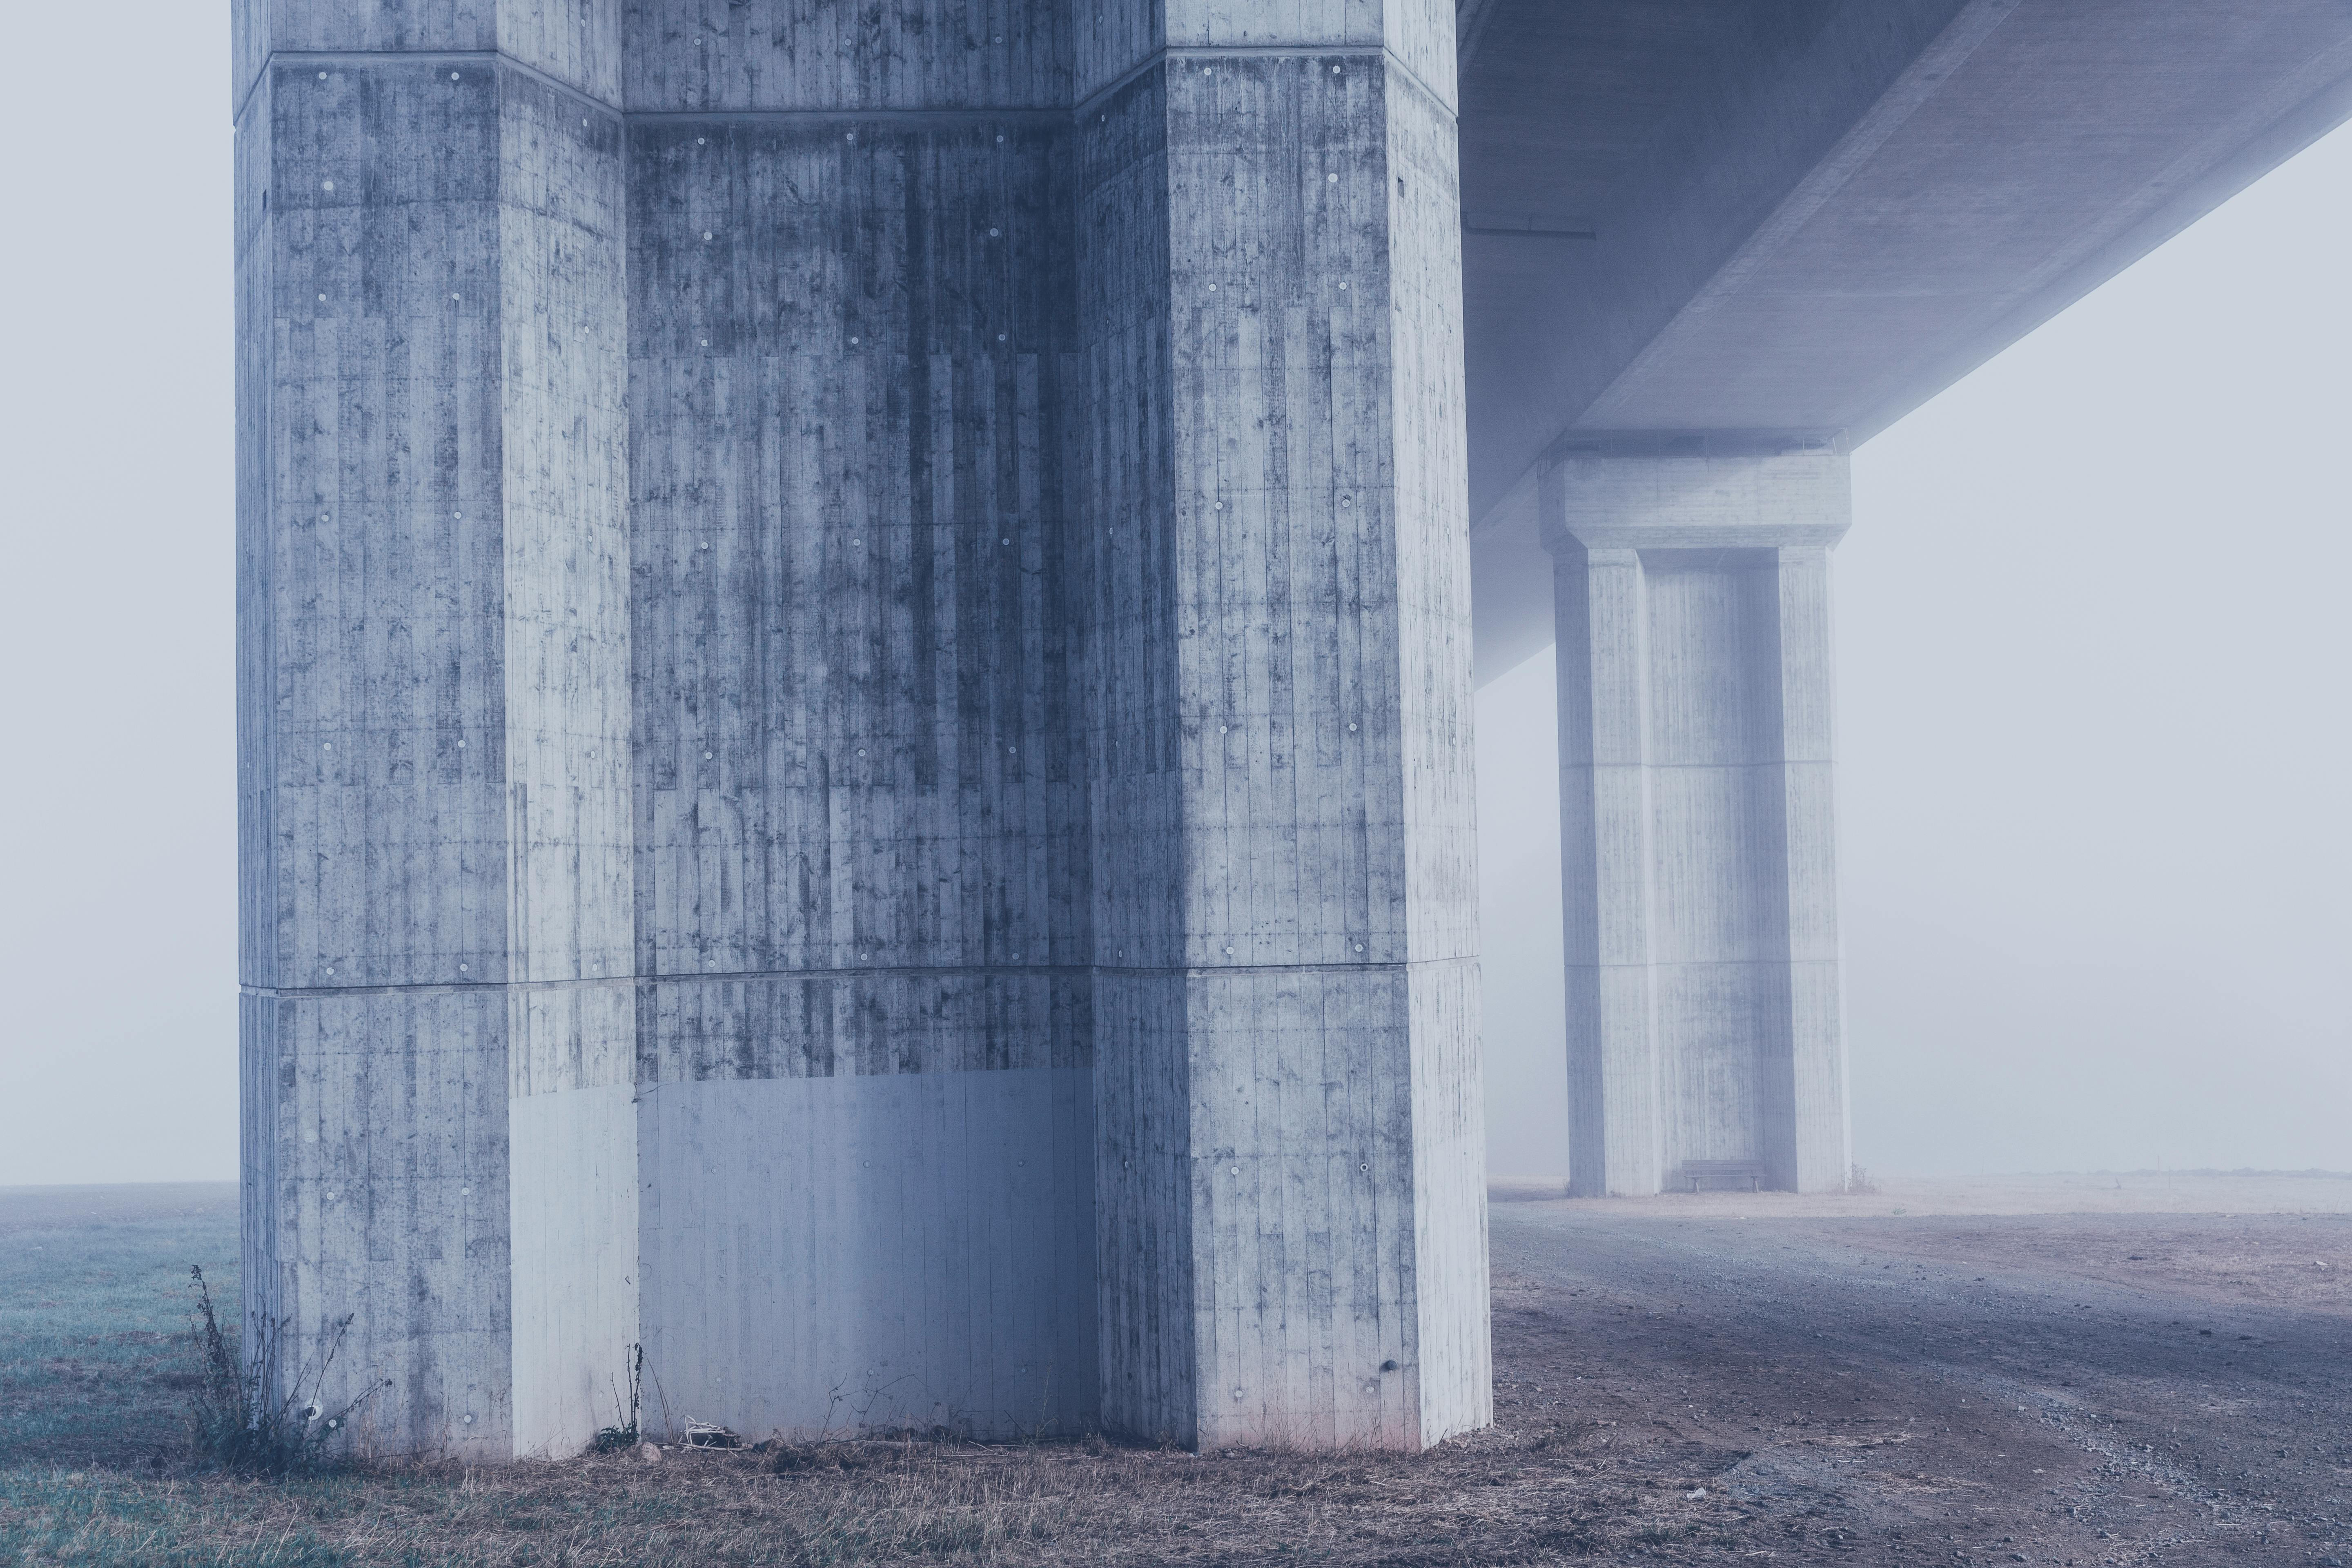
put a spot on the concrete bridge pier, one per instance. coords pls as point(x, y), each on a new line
point(1699, 862)
point(855, 684)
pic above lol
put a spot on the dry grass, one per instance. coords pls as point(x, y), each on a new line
point(924, 1504)
point(96, 1468)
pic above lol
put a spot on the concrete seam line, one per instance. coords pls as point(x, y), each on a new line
point(355, 58)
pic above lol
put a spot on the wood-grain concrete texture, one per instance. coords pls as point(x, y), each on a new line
point(1697, 847)
point(434, 717)
point(1290, 1191)
point(897, 653)
point(863, 868)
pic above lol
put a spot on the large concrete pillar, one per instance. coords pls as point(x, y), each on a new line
point(917, 865)
point(1697, 846)
point(1290, 1150)
point(432, 713)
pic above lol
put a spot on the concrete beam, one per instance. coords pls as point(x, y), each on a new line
point(1809, 219)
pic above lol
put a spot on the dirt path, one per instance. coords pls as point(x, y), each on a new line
point(2080, 1388)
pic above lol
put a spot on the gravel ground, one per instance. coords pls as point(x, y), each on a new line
point(2085, 1388)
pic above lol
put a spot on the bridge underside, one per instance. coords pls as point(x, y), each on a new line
point(856, 642)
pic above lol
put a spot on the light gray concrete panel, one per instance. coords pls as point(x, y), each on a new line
point(1818, 1104)
point(1607, 868)
point(870, 1252)
point(851, 622)
point(572, 1184)
point(1456, 1390)
point(1112, 40)
point(1698, 854)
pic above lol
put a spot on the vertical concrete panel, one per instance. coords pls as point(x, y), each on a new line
point(862, 877)
point(376, 1206)
point(1821, 1134)
point(1702, 712)
point(572, 1027)
point(433, 686)
point(371, 630)
point(1720, 941)
point(574, 1187)
point(1282, 790)
point(1606, 871)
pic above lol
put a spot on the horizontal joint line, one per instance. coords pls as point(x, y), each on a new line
point(1120, 83)
point(435, 57)
point(682, 977)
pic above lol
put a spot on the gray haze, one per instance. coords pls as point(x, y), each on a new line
point(2091, 658)
point(2092, 738)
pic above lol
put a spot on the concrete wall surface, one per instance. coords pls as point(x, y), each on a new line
point(854, 720)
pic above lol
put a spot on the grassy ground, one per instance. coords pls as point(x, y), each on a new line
point(2004, 1377)
point(95, 1467)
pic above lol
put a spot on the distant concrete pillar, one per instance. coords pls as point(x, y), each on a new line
point(1290, 1170)
point(1698, 865)
point(433, 713)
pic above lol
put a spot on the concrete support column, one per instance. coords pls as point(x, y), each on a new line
point(433, 714)
point(1290, 1182)
point(1698, 864)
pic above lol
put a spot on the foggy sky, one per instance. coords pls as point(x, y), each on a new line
point(2092, 738)
point(2092, 653)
